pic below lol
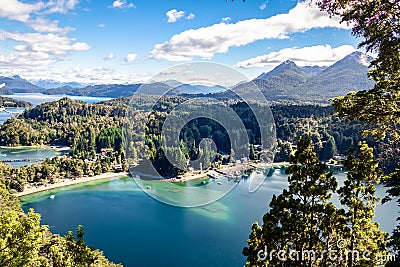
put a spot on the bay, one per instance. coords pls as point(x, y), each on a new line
point(21, 153)
point(134, 229)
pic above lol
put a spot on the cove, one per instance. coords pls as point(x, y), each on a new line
point(134, 229)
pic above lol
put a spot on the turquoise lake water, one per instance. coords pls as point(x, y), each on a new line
point(134, 229)
point(26, 153)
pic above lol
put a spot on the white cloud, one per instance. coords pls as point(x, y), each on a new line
point(44, 25)
point(218, 38)
point(80, 46)
point(226, 19)
point(48, 43)
point(37, 51)
point(60, 6)
point(173, 15)
point(130, 58)
point(109, 56)
point(190, 16)
point(2, 85)
point(101, 25)
point(122, 4)
point(16, 10)
point(321, 55)
point(81, 75)
point(263, 5)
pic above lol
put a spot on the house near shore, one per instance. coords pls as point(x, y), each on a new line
point(118, 168)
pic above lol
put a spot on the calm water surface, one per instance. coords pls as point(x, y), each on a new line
point(134, 229)
point(27, 153)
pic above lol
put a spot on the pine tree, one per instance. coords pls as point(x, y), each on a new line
point(358, 195)
point(378, 23)
point(299, 221)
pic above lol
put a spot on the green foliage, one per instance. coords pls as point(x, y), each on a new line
point(13, 103)
point(301, 218)
point(25, 242)
point(62, 122)
point(357, 194)
point(378, 23)
point(284, 151)
point(20, 238)
point(331, 134)
point(307, 228)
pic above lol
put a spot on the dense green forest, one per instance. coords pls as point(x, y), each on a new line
point(302, 219)
point(93, 132)
point(13, 103)
point(120, 132)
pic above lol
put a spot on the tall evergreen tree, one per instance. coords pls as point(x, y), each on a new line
point(299, 223)
point(378, 23)
point(358, 195)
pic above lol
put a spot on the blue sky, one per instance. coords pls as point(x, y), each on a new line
point(124, 41)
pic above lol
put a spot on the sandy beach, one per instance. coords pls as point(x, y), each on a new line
point(67, 182)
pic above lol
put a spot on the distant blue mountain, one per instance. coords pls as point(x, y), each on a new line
point(118, 90)
point(289, 82)
point(286, 82)
point(47, 84)
point(15, 84)
point(199, 89)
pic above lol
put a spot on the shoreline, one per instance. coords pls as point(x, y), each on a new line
point(55, 148)
point(65, 183)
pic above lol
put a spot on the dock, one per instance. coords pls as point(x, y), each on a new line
point(235, 169)
point(24, 160)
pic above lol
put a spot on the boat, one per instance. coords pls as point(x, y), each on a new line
point(203, 182)
point(52, 196)
point(213, 175)
point(219, 183)
point(148, 187)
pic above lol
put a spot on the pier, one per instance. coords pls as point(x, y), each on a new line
point(238, 168)
point(23, 160)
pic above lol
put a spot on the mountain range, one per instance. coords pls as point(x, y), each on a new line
point(47, 84)
point(16, 84)
point(289, 82)
point(286, 82)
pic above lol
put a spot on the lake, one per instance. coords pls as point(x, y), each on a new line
point(21, 153)
point(134, 229)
